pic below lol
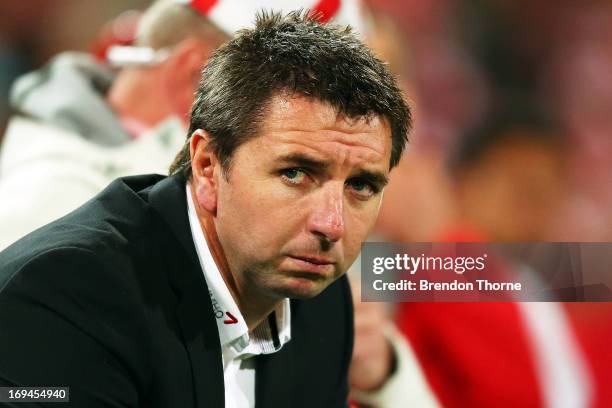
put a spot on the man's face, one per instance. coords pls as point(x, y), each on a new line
point(301, 197)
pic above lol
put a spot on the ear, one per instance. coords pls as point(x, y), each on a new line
point(183, 70)
point(205, 170)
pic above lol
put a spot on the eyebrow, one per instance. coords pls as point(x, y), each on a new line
point(376, 178)
point(304, 160)
point(314, 164)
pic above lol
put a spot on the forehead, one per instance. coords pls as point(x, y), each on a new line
point(298, 122)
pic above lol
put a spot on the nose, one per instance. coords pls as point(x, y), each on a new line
point(327, 217)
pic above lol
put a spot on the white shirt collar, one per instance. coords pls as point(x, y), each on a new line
point(233, 331)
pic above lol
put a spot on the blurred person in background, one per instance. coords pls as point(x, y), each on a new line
point(510, 183)
point(78, 126)
point(32, 32)
point(509, 180)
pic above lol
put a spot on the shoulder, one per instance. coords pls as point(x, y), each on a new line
point(84, 299)
point(106, 250)
point(116, 222)
point(69, 316)
point(75, 282)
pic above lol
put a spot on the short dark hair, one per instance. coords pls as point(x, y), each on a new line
point(294, 54)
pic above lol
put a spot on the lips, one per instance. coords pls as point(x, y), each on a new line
point(314, 260)
point(312, 264)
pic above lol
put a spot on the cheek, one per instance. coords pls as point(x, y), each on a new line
point(359, 225)
point(257, 217)
point(365, 216)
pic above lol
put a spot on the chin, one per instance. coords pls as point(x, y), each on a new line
point(300, 288)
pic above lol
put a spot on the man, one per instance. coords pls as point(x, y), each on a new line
point(164, 291)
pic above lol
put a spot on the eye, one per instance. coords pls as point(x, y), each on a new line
point(363, 189)
point(294, 175)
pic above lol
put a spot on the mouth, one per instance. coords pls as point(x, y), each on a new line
point(312, 264)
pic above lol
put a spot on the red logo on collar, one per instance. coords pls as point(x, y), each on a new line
point(231, 320)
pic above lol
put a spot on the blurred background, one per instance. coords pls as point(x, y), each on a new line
point(512, 141)
point(33, 31)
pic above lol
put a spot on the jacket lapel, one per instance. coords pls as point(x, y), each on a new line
point(194, 311)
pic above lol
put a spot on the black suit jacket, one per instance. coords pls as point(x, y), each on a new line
point(111, 301)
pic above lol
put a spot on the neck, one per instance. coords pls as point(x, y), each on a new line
point(254, 306)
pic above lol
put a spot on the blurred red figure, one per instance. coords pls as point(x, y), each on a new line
point(510, 186)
